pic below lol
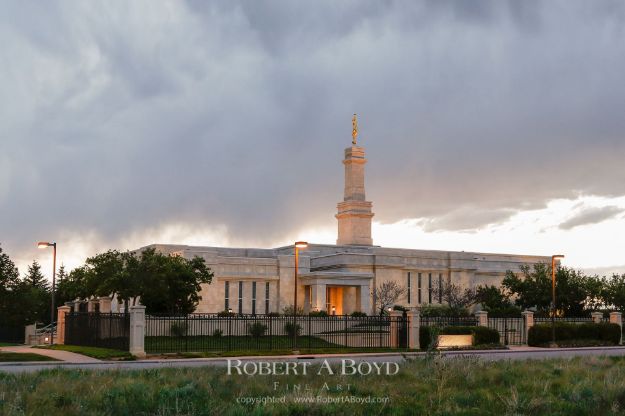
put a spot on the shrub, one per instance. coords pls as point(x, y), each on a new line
point(218, 333)
point(443, 310)
point(358, 314)
point(292, 329)
point(179, 329)
point(288, 310)
point(481, 335)
point(273, 314)
point(318, 313)
point(484, 335)
point(225, 313)
point(540, 335)
point(400, 308)
point(257, 329)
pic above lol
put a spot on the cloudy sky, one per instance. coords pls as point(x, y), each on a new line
point(489, 126)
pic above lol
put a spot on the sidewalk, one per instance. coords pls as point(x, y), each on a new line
point(66, 356)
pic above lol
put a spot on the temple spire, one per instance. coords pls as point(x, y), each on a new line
point(354, 129)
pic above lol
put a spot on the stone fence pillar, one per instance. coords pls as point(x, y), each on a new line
point(482, 318)
point(528, 317)
point(105, 304)
point(395, 315)
point(137, 330)
point(414, 323)
point(91, 305)
point(597, 317)
point(60, 323)
point(617, 318)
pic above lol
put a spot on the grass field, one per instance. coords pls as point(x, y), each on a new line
point(95, 352)
point(22, 356)
point(7, 344)
point(432, 386)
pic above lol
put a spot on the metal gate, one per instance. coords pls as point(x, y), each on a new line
point(93, 329)
point(511, 330)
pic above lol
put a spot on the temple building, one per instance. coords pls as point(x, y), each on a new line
point(339, 278)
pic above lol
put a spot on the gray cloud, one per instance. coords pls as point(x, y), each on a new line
point(591, 215)
point(466, 219)
point(118, 117)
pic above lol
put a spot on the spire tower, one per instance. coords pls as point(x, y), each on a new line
point(354, 213)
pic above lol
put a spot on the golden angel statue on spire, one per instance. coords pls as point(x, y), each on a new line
point(354, 129)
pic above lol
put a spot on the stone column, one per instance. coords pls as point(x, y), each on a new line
point(91, 305)
point(60, 323)
point(528, 316)
point(137, 330)
point(616, 318)
point(482, 318)
point(105, 304)
point(596, 317)
point(364, 299)
point(395, 315)
point(77, 306)
point(414, 322)
point(319, 297)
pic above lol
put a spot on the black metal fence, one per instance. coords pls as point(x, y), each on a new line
point(570, 319)
point(93, 329)
point(209, 332)
point(448, 321)
point(512, 331)
point(12, 334)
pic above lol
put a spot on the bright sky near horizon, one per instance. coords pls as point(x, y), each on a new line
point(491, 126)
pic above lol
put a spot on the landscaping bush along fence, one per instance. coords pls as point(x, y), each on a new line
point(606, 333)
point(210, 332)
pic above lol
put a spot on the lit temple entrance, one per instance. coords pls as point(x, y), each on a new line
point(337, 293)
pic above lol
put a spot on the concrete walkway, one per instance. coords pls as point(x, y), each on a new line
point(66, 356)
point(515, 353)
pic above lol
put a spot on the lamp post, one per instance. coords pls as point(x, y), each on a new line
point(43, 244)
point(298, 245)
point(553, 296)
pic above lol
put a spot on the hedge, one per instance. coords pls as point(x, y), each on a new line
point(609, 334)
point(481, 334)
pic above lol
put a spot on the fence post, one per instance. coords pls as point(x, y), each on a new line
point(616, 318)
point(394, 328)
point(597, 317)
point(137, 330)
point(414, 322)
point(482, 318)
point(60, 323)
point(105, 304)
point(528, 317)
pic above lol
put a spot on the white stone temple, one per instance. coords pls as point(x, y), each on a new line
point(339, 278)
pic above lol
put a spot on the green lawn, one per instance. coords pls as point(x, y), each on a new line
point(95, 352)
point(427, 386)
point(301, 351)
point(225, 343)
point(7, 344)
point(22, 356)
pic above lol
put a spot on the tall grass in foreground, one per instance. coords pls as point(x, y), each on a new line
point(434, 385)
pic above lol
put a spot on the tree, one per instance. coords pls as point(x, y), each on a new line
point(387, 294)
point(576, 293)
point(614, 292)
point(9, 293)
point(164, 283)
point(454, 295)
point(496, 301)
point(34, 277)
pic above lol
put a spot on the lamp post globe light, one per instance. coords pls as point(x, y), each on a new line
point(553, 297)
point(44, 244)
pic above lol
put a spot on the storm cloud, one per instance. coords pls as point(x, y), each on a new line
point(591, 215)
point(118, 117)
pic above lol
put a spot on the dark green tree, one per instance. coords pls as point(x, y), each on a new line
point(576, 294)
point(496, 301)
point(34, 277)
point(614, 292)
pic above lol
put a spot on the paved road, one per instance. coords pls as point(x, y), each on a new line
point(521, 353)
